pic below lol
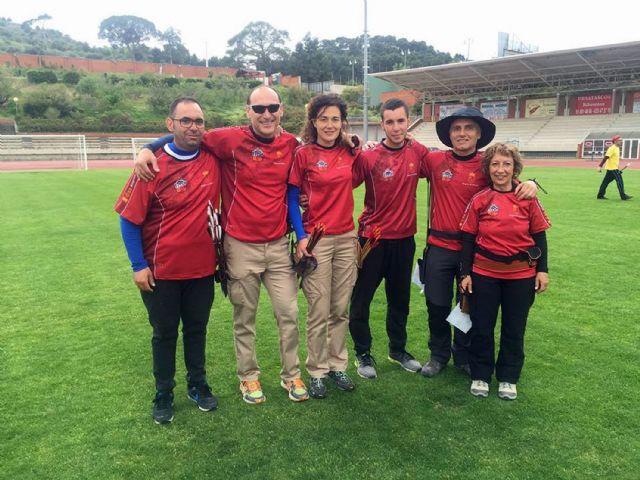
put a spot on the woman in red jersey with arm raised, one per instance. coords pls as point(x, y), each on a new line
point(504, 264)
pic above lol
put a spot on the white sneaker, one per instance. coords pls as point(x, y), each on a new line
point(507, 391)
point(479, 388)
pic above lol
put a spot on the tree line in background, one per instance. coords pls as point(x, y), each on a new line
point(44, 100)
point(258, 46)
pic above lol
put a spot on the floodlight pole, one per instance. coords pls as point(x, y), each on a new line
point(365, 70)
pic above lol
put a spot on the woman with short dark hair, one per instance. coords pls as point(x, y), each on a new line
point(504, 264)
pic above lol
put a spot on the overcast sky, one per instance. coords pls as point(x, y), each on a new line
point(458, 26)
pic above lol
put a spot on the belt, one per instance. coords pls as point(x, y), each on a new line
point(530, 255)
point(515, 266)
point(443, 234)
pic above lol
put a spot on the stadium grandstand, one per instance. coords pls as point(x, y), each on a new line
point(566, 103)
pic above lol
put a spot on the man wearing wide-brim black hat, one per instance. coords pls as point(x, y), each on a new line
point(455, 176)
point(486, 132)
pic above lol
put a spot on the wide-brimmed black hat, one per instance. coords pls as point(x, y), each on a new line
point(487, 128)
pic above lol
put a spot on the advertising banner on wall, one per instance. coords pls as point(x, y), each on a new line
point(541, 107)
point(495, 110)
point(593, 105)
point(447, 109)
point(636, 102)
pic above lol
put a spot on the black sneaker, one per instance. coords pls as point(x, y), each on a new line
point(627, 197)
point(163, 407)
point(432, 368)
point(406, 361)
point(317, 388)
point(343, 382)
point(366, 366)
point(201, 394)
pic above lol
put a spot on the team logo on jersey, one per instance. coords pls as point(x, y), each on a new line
point(322, 165)
point(387, 174)
point(279, 154)
point(493, 210)
point(257, 155)
point(471, 178)
point(205, 173)
point(447, 176)
point(515, 207)
point(412, 167)
point(180, 185)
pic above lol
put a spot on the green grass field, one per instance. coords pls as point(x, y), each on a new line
point(75, 356)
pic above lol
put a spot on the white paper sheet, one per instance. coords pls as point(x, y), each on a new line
point(462, 321)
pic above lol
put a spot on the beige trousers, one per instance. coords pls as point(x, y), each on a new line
point(328, 290)
point(248, 265)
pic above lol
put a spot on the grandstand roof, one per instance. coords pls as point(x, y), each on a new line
point(563, 71)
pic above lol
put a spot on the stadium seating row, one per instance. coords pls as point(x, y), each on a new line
point(550, 134)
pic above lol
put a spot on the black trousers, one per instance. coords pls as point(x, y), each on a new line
point(391, 260)
point(610, 176)
point(515, 298)
point(442, 267)
point(170, 301)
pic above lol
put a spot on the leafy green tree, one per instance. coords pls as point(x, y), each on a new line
point(127, 31)
point(7, 89)
point(39, 19)
point(225, 61)
point(353, 96)
point(42, 76)
point(259, 45)
point(50, 96)
point(173, 50)
point(87, 85)
point(310, 61)
point(71, 77)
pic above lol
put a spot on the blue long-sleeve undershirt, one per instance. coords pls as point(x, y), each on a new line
point(159, 143)
point(132, 238)
point(295, 217)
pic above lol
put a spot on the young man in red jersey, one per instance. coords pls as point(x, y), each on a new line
point(164, 228)
point(255, 164)
point(455, 176)
point(390, 172)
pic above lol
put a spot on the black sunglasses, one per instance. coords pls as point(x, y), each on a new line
point(259, 109)
point(186, 122)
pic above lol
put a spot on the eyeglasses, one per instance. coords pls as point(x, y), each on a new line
point(186, 122)
point(259, 109)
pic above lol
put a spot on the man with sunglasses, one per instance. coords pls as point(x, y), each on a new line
point(164, 228)
point(255, 164)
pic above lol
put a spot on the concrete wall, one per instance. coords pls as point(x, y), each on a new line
point(122, 66)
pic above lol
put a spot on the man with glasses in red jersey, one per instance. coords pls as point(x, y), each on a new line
point(164, 228)
point(255, 163)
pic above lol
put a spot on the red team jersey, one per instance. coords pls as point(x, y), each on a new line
point(324, 175)
point(172, 210)
point(453, 184)
point(503, 225)
point(254, 182)
point(391, 178)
